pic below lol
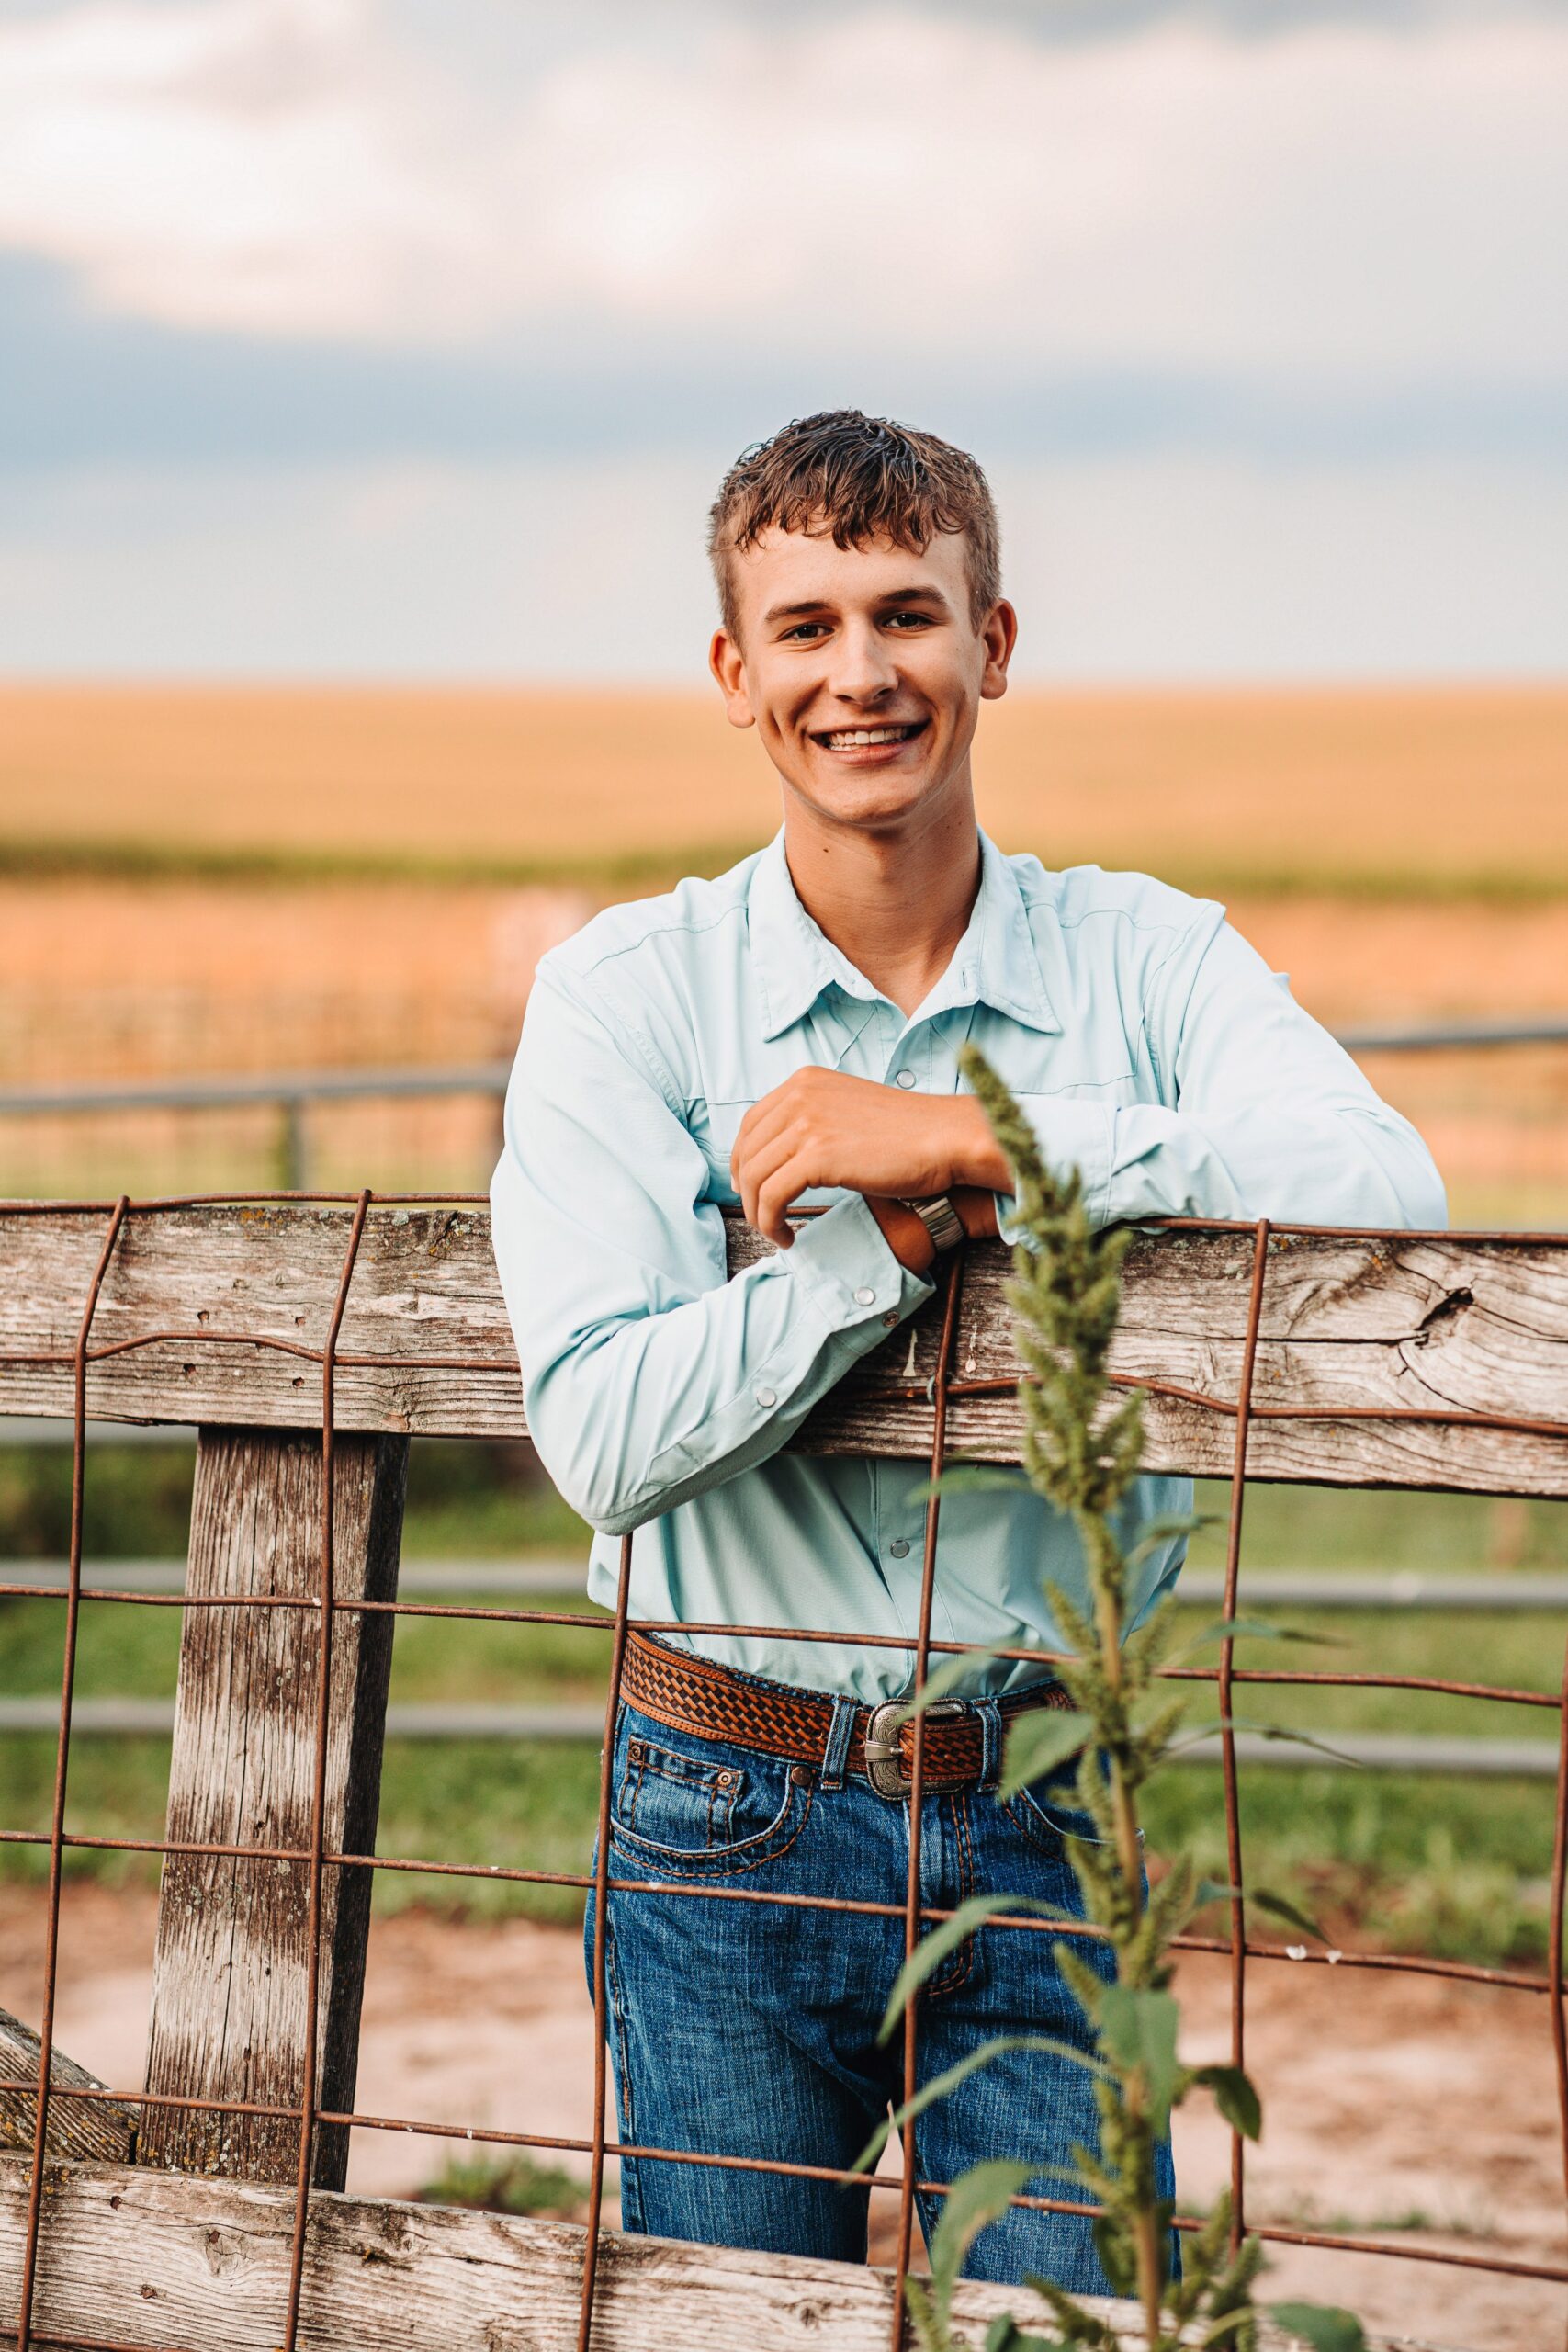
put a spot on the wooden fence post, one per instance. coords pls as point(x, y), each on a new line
point(229, 1989)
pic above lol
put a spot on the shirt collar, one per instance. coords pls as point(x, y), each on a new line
point(996, 963)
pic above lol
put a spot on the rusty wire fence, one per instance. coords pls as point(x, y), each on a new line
point(317, 1857)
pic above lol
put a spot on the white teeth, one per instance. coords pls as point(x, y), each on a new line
point(852, 738)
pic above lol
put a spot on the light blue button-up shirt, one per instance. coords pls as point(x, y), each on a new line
point(1148, 1045)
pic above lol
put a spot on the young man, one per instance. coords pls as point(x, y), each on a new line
point(788, 1035)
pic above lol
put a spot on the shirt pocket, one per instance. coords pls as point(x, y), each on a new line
point(714, 1127)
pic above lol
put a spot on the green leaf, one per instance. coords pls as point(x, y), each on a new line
point(1213, 1890)
point(1038, 1742)
point(1227, 2323)
point(1267, 1731)
point(977, 2198)
point(945, 1678)
point(1255, 1629)
point(1138, 2029)
point(942, 2085)
point(1304, 1739)
point(1324, 2327)
point(934, 1949)
point(1157, 1532)
point(972, 1478)
point(1286, 1911)
point(932, 2333)
point(1116, 2258)
point(1234, 2098)
point(1004, 2335)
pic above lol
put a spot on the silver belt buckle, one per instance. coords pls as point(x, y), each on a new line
point(882, 1750)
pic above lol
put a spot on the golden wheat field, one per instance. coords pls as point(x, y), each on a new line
point(1399, 791)
point(1403, 855)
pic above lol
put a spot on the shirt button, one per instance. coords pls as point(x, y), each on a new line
point(765, 1398)
point(904, 1078)
point(899, 1548)
point(866, 1298)
point(891, 1318)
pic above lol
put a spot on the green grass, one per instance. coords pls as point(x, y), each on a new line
point(1323, 1527)
point(465, 1500)
point(514, 2184)
point(659, 867)
point(151, 860)
point(1444, 1865)
point(458, 1802)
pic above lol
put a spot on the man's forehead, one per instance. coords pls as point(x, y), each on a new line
point(791, 565)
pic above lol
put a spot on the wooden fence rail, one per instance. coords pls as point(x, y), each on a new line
point(1417, 1360)
point(1358, 1330)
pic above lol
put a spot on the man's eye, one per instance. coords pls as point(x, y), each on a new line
point(802, 630)
point(908, 620)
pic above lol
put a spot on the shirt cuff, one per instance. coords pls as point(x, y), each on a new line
point(844, 1263)
point(1070, 1133)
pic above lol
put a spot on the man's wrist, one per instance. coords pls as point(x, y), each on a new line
point(975, 1158)
point(904, 1233)
point(976, 1207)
point(909, 1237)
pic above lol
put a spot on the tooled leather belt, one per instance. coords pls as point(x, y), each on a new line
point(696, 1695)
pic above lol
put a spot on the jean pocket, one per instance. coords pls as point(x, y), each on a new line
point(675, 1801)
point(674, 1809)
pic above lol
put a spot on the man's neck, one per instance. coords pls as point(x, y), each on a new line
point(894, 904)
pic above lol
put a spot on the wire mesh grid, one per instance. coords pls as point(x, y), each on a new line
point(318, 1857)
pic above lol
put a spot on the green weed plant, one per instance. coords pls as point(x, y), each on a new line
point(1082, 1446)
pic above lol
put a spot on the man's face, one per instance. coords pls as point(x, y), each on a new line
point(861, 669)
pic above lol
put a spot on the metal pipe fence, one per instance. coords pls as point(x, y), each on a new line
point(1400, 1591)
point(326, 1609)
point(293, 1091)
point(1508, 1759)
point(1403, 1593)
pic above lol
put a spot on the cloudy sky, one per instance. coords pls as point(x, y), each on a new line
point(409, 339)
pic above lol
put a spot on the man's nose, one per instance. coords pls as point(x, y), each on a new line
point(863, 669)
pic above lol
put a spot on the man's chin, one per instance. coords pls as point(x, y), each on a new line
point(870, 799)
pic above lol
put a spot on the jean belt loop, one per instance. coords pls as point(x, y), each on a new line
point(839, 1732)
point(990, 1715)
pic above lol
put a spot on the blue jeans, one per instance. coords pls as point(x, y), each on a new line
point(750, 2029)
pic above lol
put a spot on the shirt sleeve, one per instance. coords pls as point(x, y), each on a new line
point(649, 1376)
point(1264, 1115)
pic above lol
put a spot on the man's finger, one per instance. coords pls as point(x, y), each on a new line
point(775, 1197)
point(762, 1165)
point(765, 1119)
point(797, 1097)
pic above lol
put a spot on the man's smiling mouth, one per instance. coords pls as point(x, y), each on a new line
point(859, 739)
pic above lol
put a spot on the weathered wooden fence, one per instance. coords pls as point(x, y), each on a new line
point(308, 1341)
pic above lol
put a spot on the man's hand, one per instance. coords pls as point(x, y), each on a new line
point(821, 1127)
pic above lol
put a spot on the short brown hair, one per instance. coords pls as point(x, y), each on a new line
point(857, 479)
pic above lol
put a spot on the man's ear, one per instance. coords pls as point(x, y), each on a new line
point(729, 670)
point(999, 637)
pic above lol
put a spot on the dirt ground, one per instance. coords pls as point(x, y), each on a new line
point(1407, 2107)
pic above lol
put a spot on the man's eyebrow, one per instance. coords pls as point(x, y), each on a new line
point(796, 612)
point(918, 595)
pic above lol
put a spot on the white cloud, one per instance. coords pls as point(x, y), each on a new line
point(1339, 202)
point(267, 166)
